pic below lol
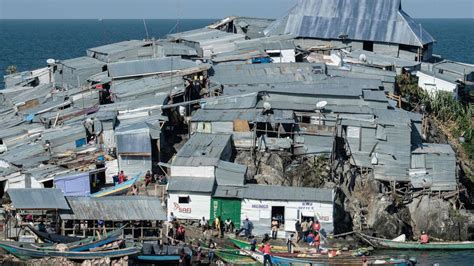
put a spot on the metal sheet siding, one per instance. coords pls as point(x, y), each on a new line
point(199, 205)
point(134, 165)
point(226, 208)
point(117, 208)
point(77, 184)
point(30, 198)
point(380, 21)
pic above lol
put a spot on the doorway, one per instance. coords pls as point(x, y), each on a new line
point(278, 212)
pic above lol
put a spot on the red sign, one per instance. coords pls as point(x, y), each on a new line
point(99, 86)
point(181, 209)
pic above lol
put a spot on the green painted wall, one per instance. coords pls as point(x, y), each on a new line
point(226, 208)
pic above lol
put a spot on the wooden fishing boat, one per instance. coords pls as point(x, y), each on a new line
point(29, 251)
point(411, 245)
point(346, 261)
point(51, 237)
point(119, 189)
point(246, 245)
point(232, 256)
point(86, 244)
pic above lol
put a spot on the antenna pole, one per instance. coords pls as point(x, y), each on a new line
point(146, 29)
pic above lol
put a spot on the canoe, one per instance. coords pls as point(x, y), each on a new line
point(28, 251)
point(246, 245)
point(53, 238)
point(119, 189)
point(277, 260)
point(233, 257)
point(390, 244)
point(86, 244)
point(158, 258)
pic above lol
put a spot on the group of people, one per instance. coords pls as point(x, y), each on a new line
point(309, 232)
point(199, 254)
point(176, 231)
point(222, 226)
point(149, 178)
point(119, 178)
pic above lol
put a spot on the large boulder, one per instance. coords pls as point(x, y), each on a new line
point(439, 219)
point(387, 220)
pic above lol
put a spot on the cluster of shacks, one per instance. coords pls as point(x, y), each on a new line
point(316, 81)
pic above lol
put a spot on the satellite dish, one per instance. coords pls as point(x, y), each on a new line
point(363, 58)
point(50, 61)
point(320, 105)
point(267, 106)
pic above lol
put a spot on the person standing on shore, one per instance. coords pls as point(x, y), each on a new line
point(305, 229)
point(212, 247)
point(289, 243)
point(266, 254)
point(316, 226)
point(299, 233)
point(275, 226)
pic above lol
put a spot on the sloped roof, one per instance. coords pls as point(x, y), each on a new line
point(38, 199)
point(150, 66)
point(202, 150)
point(191, 184)
point(118, 208)
point(265, 192)
point(119, 46)
point(232, 174)
point(364, 20)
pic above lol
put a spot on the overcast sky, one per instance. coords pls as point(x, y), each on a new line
point(125, 9)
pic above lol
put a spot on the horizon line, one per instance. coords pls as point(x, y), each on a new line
point(181, 18)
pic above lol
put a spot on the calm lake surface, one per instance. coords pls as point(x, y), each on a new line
point(29, 43)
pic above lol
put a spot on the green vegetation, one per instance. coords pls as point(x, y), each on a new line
point(454, 117)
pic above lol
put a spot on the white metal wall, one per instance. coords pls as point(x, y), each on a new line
point(259, 212)
point(287, 56)
point(199, 205)
point(432, 84)
point(200, 171)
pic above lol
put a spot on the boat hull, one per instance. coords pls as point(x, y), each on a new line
point(25, 251)
point(120, 189)
point(390, 244)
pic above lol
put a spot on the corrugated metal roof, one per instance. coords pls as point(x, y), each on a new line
point(202, 149)
point(250, 115)
point(118, 47)
point(230, 174)
point(379, 21)
point(377, 96)
point(243, 101)
point(115, 208)
point(434, 148)
point(382, 60)
point(190, 184)
point(149, 66)
point(264, 192)
point(38, 199)
point(146, 87)
point(83, 62)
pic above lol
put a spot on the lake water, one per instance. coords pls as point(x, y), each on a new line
point(28, 43)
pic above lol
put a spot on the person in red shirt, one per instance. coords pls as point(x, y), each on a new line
point(266, 254)
point(121, 177)
point(424, 238)
point(316, 226)
point(317, 241)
